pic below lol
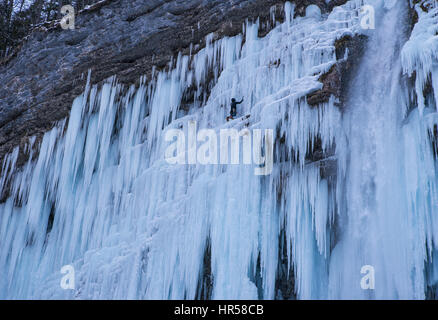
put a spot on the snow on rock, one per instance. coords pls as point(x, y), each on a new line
point(420, 53)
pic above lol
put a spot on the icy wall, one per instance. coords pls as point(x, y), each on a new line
point(102, 198)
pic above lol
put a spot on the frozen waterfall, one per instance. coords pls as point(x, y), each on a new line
point(101, 197)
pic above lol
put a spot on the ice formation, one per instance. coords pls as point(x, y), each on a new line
point(420, 53)
point(101, 197)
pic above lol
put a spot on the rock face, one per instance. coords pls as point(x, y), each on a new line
point(335, 81)
point(126, 38)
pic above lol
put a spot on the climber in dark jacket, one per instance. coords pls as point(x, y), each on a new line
point(234, 104)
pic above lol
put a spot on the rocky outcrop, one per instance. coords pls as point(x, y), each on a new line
point(424, 5)
point(336, 80)
point(331, 86)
